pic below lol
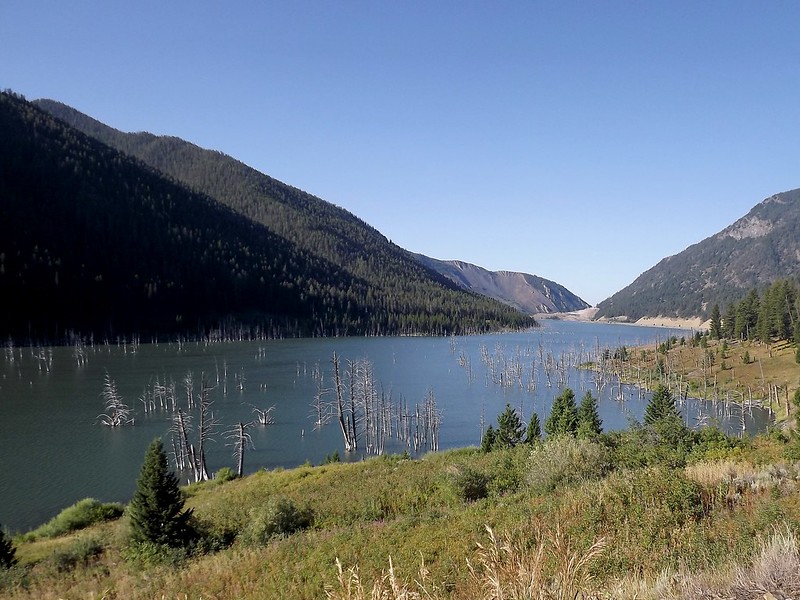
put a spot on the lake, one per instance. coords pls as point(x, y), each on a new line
point(54, 450)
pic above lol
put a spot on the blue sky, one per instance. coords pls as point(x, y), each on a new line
point(580, 141)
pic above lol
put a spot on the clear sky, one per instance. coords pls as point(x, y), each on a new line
point(579, 141)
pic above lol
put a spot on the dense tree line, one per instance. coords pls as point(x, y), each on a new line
point(773, 314)
point(96, 242)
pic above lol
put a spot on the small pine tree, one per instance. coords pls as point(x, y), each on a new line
point(534, 433)
point(489, 439)
point(509, 428)
point(589, 422)
point(8, 554)
point(716, 323)
point(661, 407)
point(563, 419)
point(156, 511)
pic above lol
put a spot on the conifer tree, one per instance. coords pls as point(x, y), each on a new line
point(716, 323)
point(563, 419)
point(534, 433)
point(509, 428)
point(156, 511)
point(8, 553)
point(661, 407)
point(589, 421)
point(489, 439)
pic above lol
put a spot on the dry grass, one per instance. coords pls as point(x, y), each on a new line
point(773, 573)
point(505, 569)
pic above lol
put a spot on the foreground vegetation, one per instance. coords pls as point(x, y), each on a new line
point(657, 511)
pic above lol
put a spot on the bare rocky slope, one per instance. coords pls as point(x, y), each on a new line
point(758, 249)
point(527, 293)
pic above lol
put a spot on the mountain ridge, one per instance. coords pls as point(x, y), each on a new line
point(754, 251)
point(528, 293)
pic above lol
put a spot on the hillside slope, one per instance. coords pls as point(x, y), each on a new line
point(404, 295)
point(756, 250)
point(96, 242)
point(527, 293)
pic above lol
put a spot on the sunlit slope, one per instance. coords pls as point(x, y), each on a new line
point(756, 250)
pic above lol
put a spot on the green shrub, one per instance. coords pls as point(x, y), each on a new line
point(225, 474)
point(81, 552)
point(566, 460)
point(80, 515)
point(279, 518)
point(150, 554)
point(508, 471)
point(469, 484)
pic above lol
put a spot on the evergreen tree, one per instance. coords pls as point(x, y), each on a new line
point(534, 433)
point(156, 511)
point(661, 407)
point(509, 428)
point(716, 323)
point(7, 552)
point(589, 422)
point(489, 439)
point(729, 321)
point(563, 419)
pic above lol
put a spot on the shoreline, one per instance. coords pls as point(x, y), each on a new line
point(588, 315)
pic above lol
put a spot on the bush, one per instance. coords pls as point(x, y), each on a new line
point(148, 554)
point(566, 460)
point(509, 470)
point(279, 518)
point(469, 484)
point(80, 515)
point(225, 474)
point(81, 552)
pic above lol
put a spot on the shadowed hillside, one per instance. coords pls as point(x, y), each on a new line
point(94, 241)
point(403, 295)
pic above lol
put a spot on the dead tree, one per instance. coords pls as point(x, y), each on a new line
point(182, 450)
point(240, 440)
point(116, 412)
point(205, 430)
point(347, 425)
point(264, 417)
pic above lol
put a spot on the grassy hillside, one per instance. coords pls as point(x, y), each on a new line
point(627, 515)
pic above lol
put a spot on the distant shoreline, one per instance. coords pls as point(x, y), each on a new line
point(588, 314)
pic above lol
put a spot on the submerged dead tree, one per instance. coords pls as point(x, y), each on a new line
point(116, 413)
point(182, 450)
point(205, 429)
point(347, 422)
point(240, 441)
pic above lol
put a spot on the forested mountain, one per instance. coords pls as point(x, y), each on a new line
point(96, 242)
point(396, 283)
point(527, 293)
point(756, 250)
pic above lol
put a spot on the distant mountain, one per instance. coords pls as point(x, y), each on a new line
point(527, 293)
point(756, 250)
point(95, 241)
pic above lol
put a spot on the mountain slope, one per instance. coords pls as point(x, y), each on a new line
point(95, 242)
point(527, 293)
point(756, 250)
point(403, 296)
